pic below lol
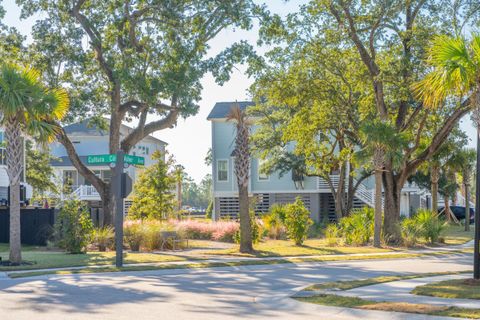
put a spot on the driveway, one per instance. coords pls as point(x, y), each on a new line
point(247, 292)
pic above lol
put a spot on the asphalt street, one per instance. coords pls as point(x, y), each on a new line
point(247, 292)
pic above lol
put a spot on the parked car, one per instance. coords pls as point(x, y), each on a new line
point(459, 212)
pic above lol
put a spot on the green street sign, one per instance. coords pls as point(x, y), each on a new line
point(134, 160)
point(112, 158)
point(102, 159)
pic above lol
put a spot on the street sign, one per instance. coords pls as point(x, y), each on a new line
point(134, 160)
point(112, 158)
point(102, 159)
point(126, 185)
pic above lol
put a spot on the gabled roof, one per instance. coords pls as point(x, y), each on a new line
point(221, 109)
point(84, 128)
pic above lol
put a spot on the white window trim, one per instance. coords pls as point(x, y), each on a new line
point(216, 170)
point(258, 173)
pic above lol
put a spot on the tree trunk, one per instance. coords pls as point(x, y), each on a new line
point(467, 207)
point(246, 245)
point(378, 160)
point(434, 176)
point(14, 171)
point(391, 190)
point(448, 212)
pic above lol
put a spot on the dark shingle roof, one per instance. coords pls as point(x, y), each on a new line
point(221, 109)
point(84, 128)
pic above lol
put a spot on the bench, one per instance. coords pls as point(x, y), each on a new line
point(172, 237)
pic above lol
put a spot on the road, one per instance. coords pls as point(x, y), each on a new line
point(247, 292)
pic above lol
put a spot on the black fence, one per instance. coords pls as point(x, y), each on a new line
point(36, 225)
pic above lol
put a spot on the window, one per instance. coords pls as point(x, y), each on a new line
point(261, 176)
point(222, 170)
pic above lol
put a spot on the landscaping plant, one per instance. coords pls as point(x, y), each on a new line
point(273, 222)
point(358, 227)
point(332, 234)
point(430, 224)
point(134, 234)
point(103, 238)
point(297, 221)
point(73, 228)
point(411, 231)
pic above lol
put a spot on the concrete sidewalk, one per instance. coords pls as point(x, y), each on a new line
point(400, 291)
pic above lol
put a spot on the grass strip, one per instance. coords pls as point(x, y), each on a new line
point(212, 264)
point(453, 289)
point(359, 303)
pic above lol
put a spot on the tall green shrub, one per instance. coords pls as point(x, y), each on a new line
point(73, 228)
point(411, 231)
point(297, 221)
point(357, 228)
point(430, 224)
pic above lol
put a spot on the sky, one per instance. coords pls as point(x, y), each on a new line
point(190, 140)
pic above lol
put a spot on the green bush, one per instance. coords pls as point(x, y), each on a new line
point(73, 227)
point(332, 234)
point(357, 229)
point(209, 211)
point(256, 229)
point(153, 236)
point(273, 223)
point(103, 238)
point(297, 221)
point(134, 234)
point(431, 226)
point(411, 231)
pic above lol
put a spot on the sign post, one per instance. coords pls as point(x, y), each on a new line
point(118, 201)
point(121, 188)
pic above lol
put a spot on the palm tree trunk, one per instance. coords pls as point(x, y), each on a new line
point(14, 171)
point(246, 245)
point(467, 207)
point(378, 160)
point(448, 213)
point(435, 172)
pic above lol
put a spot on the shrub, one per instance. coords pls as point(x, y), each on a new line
point(103, 238)
point(430, 225)
point(274, 223)
point(73, 228)
point(202, 230)
point(134, 234)
point(297, 221)
point(257, 227)
point(209, 211)
point(411, 231)
point(332, 234)
point(153, 236)
point(357, 228)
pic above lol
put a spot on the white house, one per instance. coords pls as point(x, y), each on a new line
point(90, 140)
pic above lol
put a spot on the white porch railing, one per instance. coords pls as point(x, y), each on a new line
point(322, 184)
point(83, 192)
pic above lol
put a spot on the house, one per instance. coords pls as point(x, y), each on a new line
point(273, 188)
point(91, 140)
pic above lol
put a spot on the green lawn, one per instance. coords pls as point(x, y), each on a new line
point(284, 248)
point(358, 303)
point(351, 284)
point(455, 234)
point(41, 258)
point(457, 289)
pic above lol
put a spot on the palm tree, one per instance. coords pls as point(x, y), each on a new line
point(28, 107)
point(242, 169)
point(380, 139)
point(456, 73)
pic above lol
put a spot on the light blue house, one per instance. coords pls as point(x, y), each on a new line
point(90, 140)
point(270, 189)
